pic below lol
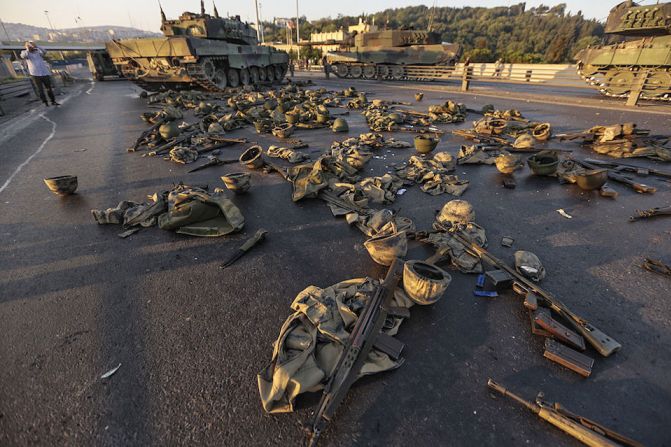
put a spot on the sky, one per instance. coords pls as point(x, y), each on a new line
point(144, 14)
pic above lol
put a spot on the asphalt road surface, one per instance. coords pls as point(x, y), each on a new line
point(76, 300)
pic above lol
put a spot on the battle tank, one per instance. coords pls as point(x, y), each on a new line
point(199, 51)
point(619, 68)
point(394, 54)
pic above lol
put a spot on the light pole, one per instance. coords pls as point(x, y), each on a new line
point(258, 27)
point(46, 13)
point(298, 35)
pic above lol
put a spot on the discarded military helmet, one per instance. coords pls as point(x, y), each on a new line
point(283, 130)
point(340, 125)
point(524, 141)
point(385, 248)
point(446, 159)
point(543, 163)
point(292, 117)
point(323, 118)
point(456, 212)
point(527, 264)
point(204, 107)
point(396, 117)
point(169, 130)
point(508, 163)
point(542, 131)
point(425, 144)
point(215, 128)
point(488, 108)
point(62, 185)
point(252, 157)
point(591, 179)
point(424, 283)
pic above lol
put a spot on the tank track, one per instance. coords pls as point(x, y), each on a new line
point(199, 79)
point(198, 76)
point(604, 87)
point(410, 72)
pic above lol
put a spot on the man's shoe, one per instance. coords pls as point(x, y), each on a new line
point(54, 103)
point(46, 104)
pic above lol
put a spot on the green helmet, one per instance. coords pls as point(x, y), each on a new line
point(340, 125)
point(169, 130)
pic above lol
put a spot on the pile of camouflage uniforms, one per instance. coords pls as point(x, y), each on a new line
point(184, 209)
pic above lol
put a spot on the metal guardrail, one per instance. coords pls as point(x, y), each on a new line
point(15, 89)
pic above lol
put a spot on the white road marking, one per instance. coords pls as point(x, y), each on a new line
point(39, 149)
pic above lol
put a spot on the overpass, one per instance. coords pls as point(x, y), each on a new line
point(55, 46)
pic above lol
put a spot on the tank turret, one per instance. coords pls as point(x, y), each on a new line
point(199, 50)
point(630, 19)
point(618, 69)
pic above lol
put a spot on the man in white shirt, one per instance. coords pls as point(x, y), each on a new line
point(39, 71)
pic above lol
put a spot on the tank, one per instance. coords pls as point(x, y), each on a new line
point(394, 55)
point(199, 51)
point(619, 68)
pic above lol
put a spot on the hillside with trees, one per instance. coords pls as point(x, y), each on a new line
point(514, 34)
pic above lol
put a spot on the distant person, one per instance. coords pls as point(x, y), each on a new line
point(498, 68)
point(39, 71)
point(291, 68)
point(327, 67)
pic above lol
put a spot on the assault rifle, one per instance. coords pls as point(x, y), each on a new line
point(584, 430)
point(365, 335)
point(603, 343)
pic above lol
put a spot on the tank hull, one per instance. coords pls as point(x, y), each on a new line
point(643, 64)
point(617, 69)
point(394, 63)
point(189, 62)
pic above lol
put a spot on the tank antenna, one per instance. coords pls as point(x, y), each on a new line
point(216, 13)
point(163, 19)
point(433, 10)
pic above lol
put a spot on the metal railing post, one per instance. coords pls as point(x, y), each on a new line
point(466, 78)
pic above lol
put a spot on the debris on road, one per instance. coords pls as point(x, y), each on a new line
point(583, 429)
point(650, 213)
point(111, 372)
point(326, 324)
point(656, 266)
point(259, 236)
point(63, 185)
point(185, 209)
point(564, 213)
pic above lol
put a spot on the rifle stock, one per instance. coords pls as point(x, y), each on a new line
point(603, 343)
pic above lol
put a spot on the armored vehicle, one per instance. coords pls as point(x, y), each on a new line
point(199, 51)
point(100, 64)
point(619, 68)
point(394, 54)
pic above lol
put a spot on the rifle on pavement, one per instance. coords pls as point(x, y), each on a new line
point(623, 167)
point(364, 336)
point(603, 343)
point(584, 430)
point(650, 212)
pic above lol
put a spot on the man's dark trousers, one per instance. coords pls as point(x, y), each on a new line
point(40, 83)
